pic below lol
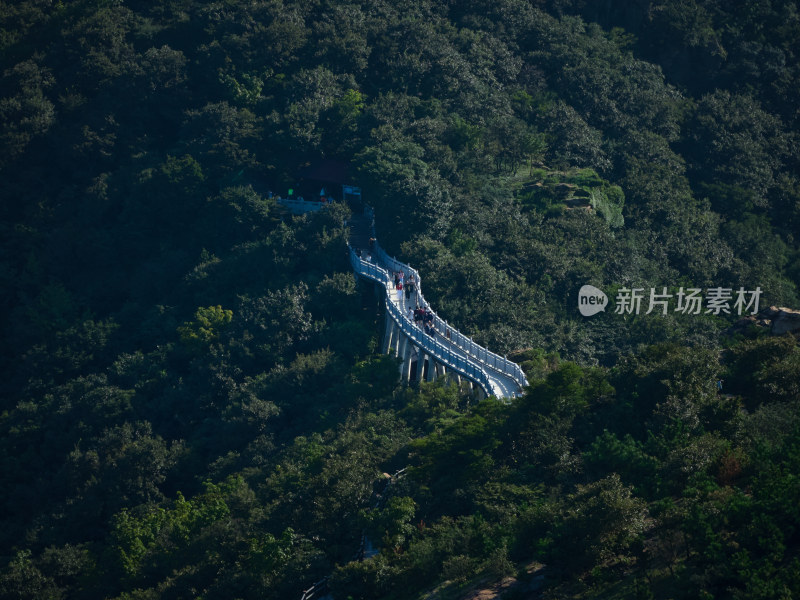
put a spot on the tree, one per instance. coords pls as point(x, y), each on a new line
point(392, 524)
point(21, 579)
point(599, 523)
point(28, 113)
point(223, 136)
point(277, 321)
point(626, 457)
point(208, 323)
point(573, 142)
point(737, 142)
point(396, 175)
point(763, 371)
point(761, 257)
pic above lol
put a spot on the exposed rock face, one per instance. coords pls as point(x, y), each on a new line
point(769, 313)
point(785, 320)
point(778, 320)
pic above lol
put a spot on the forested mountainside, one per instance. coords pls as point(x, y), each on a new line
point(193, 399)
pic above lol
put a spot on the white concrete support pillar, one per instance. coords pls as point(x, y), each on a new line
point(431, 369)
point(407, 349)
point(398, 341)
point(405, 368)
point(479, 393)
point(421, 357)
point(452, 377)
point(440, 371)
point(413, 367)
point(387, 335)
point(402, 342)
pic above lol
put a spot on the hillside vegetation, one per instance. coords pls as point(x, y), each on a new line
point(192, 401)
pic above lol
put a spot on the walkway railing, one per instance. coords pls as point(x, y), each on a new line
point(298, 206)
point(442, 353)
point(320, 587)
point(489, 359)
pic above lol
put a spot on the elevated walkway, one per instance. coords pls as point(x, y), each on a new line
point(425, 356)
point(299, 207)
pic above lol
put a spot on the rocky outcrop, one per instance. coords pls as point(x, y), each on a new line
point(778, 320)
point(784, 320)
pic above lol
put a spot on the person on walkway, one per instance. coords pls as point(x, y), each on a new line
point(409, 287)
point(399, 288)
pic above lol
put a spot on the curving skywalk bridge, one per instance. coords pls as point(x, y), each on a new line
point(424, 356)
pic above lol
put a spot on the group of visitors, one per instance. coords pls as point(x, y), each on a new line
point(404, 284)
point(424, 316)
point(405, 287)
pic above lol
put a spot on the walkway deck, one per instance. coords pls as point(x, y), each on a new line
point(457, 352)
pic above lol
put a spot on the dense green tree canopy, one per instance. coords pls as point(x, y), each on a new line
point(191, 398)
